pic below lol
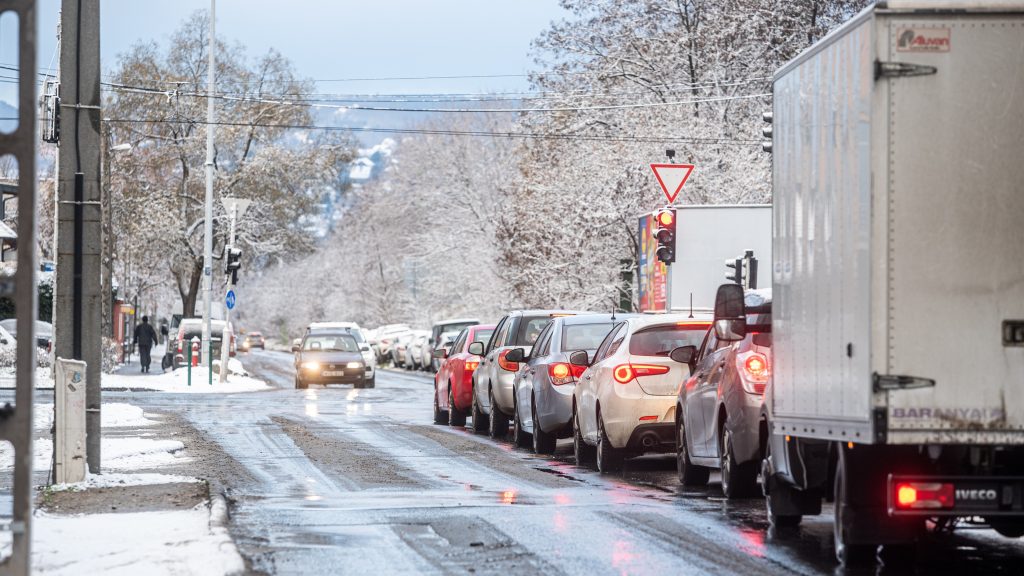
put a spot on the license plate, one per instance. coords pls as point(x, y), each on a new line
point(335, 373)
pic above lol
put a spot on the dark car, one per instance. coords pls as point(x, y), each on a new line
point(543, 389)
point(330, 358)
point(253, 340)
point(718, 416)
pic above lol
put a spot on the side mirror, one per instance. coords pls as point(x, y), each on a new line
point(730, 313)
point(684, 354)
point(516, 355)
point(296, 344)
point(441, 353)
point(579, 358)
point(476, 348)
point(364, 348)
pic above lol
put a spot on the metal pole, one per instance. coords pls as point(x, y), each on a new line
point(225, 342)
point(208, 223)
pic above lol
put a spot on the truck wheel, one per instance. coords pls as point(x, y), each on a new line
point(519, 436)
point(480, 420)
point(847, 553)
point(609, 460)
point(689, 473)
point(440, 416)
point(543, 442)
point(739, 480)
point(584, 452)
point(497, 425)
point(456, 417)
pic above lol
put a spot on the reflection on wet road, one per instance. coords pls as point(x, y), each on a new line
point(354, 481)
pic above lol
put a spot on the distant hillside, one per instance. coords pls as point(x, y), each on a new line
point(8, 115)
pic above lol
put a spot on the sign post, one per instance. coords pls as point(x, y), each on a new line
point(671, 177)
point(235, 207)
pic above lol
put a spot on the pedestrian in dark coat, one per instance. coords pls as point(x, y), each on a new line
point(145, 338)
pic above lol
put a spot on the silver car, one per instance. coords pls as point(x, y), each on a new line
point(543, 388)
point(492, 381)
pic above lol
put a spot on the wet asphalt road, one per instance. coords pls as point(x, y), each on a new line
point(344, 481)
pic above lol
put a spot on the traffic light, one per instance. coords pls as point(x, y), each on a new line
point(768, 131)
point(234, 263)
point(736, 277)
point(665, 234)
point(749, 270)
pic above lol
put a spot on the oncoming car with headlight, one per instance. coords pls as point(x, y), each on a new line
point(330, 358)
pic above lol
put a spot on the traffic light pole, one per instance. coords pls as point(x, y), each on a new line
point(225, 341)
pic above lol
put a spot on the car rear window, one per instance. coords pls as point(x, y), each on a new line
point(584, 336)
point(662, 340)
point(441, 329)
point(529, 329)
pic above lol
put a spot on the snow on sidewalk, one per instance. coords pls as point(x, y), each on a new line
point(151, 543)
point(177, 381)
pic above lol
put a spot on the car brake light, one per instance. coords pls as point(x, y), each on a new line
point(472, 365)
point(755, 371)
point(562, 373)
point(624, 373)
point(505, 364)
point(918, 495)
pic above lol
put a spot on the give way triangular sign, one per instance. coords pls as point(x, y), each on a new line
point(672, 177)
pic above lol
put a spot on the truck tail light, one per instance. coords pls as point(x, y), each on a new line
point(625, 373)
point(505, 364)
point(562, 373)
point(754, 370)
point(923, 495)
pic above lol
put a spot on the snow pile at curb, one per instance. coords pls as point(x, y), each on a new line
point(120, 479)
point(177, 381)
point(114, 415)
point(154, 543)
point(116, 453)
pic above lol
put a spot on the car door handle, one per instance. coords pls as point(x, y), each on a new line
point(588, 377)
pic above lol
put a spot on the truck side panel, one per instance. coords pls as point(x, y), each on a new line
point(956, 227)
point(822, 242)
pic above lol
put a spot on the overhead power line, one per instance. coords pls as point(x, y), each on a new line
point(445, 132)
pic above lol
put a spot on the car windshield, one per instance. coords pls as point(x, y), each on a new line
point(330, 343)
point(584, 336)
point(662, 340)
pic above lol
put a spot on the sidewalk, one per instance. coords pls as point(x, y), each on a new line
point(145, 514)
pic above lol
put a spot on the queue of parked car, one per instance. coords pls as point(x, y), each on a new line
point(619, 385)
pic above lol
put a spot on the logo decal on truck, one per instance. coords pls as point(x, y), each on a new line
point(976, 494)
point(923, 40)
point(976, 415)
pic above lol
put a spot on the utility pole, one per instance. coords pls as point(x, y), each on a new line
point(77, 296)
point(208, 223)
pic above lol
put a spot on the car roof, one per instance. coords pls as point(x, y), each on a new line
point(593, 318)
point(314, 325)
point(483, 327)
point(456, 321)
point(702, 319)
point(552, 313)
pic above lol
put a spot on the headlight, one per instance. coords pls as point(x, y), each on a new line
point(354, 365)
point(310, 365)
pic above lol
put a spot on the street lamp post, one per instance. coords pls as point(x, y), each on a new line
point(208, 224)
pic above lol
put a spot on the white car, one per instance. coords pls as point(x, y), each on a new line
point(414, 350)
point(386, 336)
point(359, 334)
point(624, 403)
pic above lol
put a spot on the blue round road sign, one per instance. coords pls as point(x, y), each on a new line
point(229, 300)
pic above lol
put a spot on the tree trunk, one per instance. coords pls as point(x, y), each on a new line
point(188, 299)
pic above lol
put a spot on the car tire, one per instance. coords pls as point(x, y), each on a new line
point(371, 383)
point(689, 473)
point(775, 494)
point(299, 384)
point(847, 553)
point(543, 442)
point(440, 416)
point(519, 436)
point(583, 452)
point(739, 480)
point(497, 424)
point(456, 417)
point(609, 459)
point(480, 420)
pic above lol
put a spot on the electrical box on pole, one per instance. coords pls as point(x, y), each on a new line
point(69, 428)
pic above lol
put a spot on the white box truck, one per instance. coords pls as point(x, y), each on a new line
point(898, 280)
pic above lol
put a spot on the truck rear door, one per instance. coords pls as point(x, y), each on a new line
point(955, 88)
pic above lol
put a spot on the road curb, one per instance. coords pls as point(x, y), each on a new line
point(218, 511)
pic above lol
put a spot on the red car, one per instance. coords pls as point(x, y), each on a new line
point(453, 383)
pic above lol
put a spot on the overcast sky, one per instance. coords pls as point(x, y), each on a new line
point(347, 38)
